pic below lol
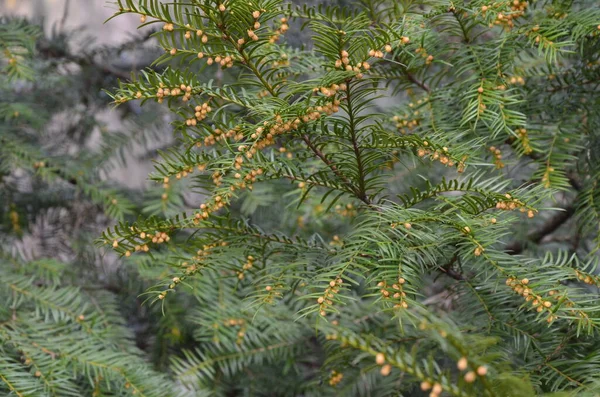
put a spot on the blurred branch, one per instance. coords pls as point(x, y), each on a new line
point(550, 226)
point(49, 50)
point(65, 15)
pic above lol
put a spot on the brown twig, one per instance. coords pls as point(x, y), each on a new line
point(414, 80)
point(449, 270)
point(334, 168)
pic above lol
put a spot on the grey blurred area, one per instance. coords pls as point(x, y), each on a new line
point(87, 19)
point(73, 14)
point(83, 21)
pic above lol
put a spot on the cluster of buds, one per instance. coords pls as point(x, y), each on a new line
point(200, 113)
point(511, 204)
point(205, 251)
point(188, 34)
point(240, 336)
point(262, 94)
point(335, 378)
point(346, 210)
point(546, 177)
point(283, 61)
point(336, 241)
point(225, 61)
point(587, 278)
point(482, 106)
point(538, 302)
point(203, 39)
point(167, 27)
point(220, 135)
point(517, 9)
point(396, 292)
point(386, 369)
point(517, 80)
point(344, 64)
point(235, 322)
point(279, 31)
point(406, 225)
point(424, 54)
point(162, 92)
point(265, 136)
point(325, 300)
point(39, 164)
point(182, 174)
point(497, 157)
point(156, 238)
point(436, 388)
point(189, 269)
point(478, 250)
point(251, 35)
point(538, 37)
point(247, 180)
point(247, 266)
point(404, 40)
point(218, 202)
point(404, 125)
point(272, 293)
point(331, 90)
point(174, 282)
point(462, 365)
point(377, 53)
point(440, 155)
point(315, 113)
point(524, 139)
point(343, 60)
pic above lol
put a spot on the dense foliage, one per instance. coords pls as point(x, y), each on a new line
point(406, 204)
point(62, 326)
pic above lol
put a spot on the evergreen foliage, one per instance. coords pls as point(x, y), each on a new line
point(405, 205)
point(62, 332)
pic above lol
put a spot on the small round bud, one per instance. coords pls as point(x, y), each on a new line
point(386, 370)
point(482, 371)
point(462, 364)
point(380, 358)
point(470, 377)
